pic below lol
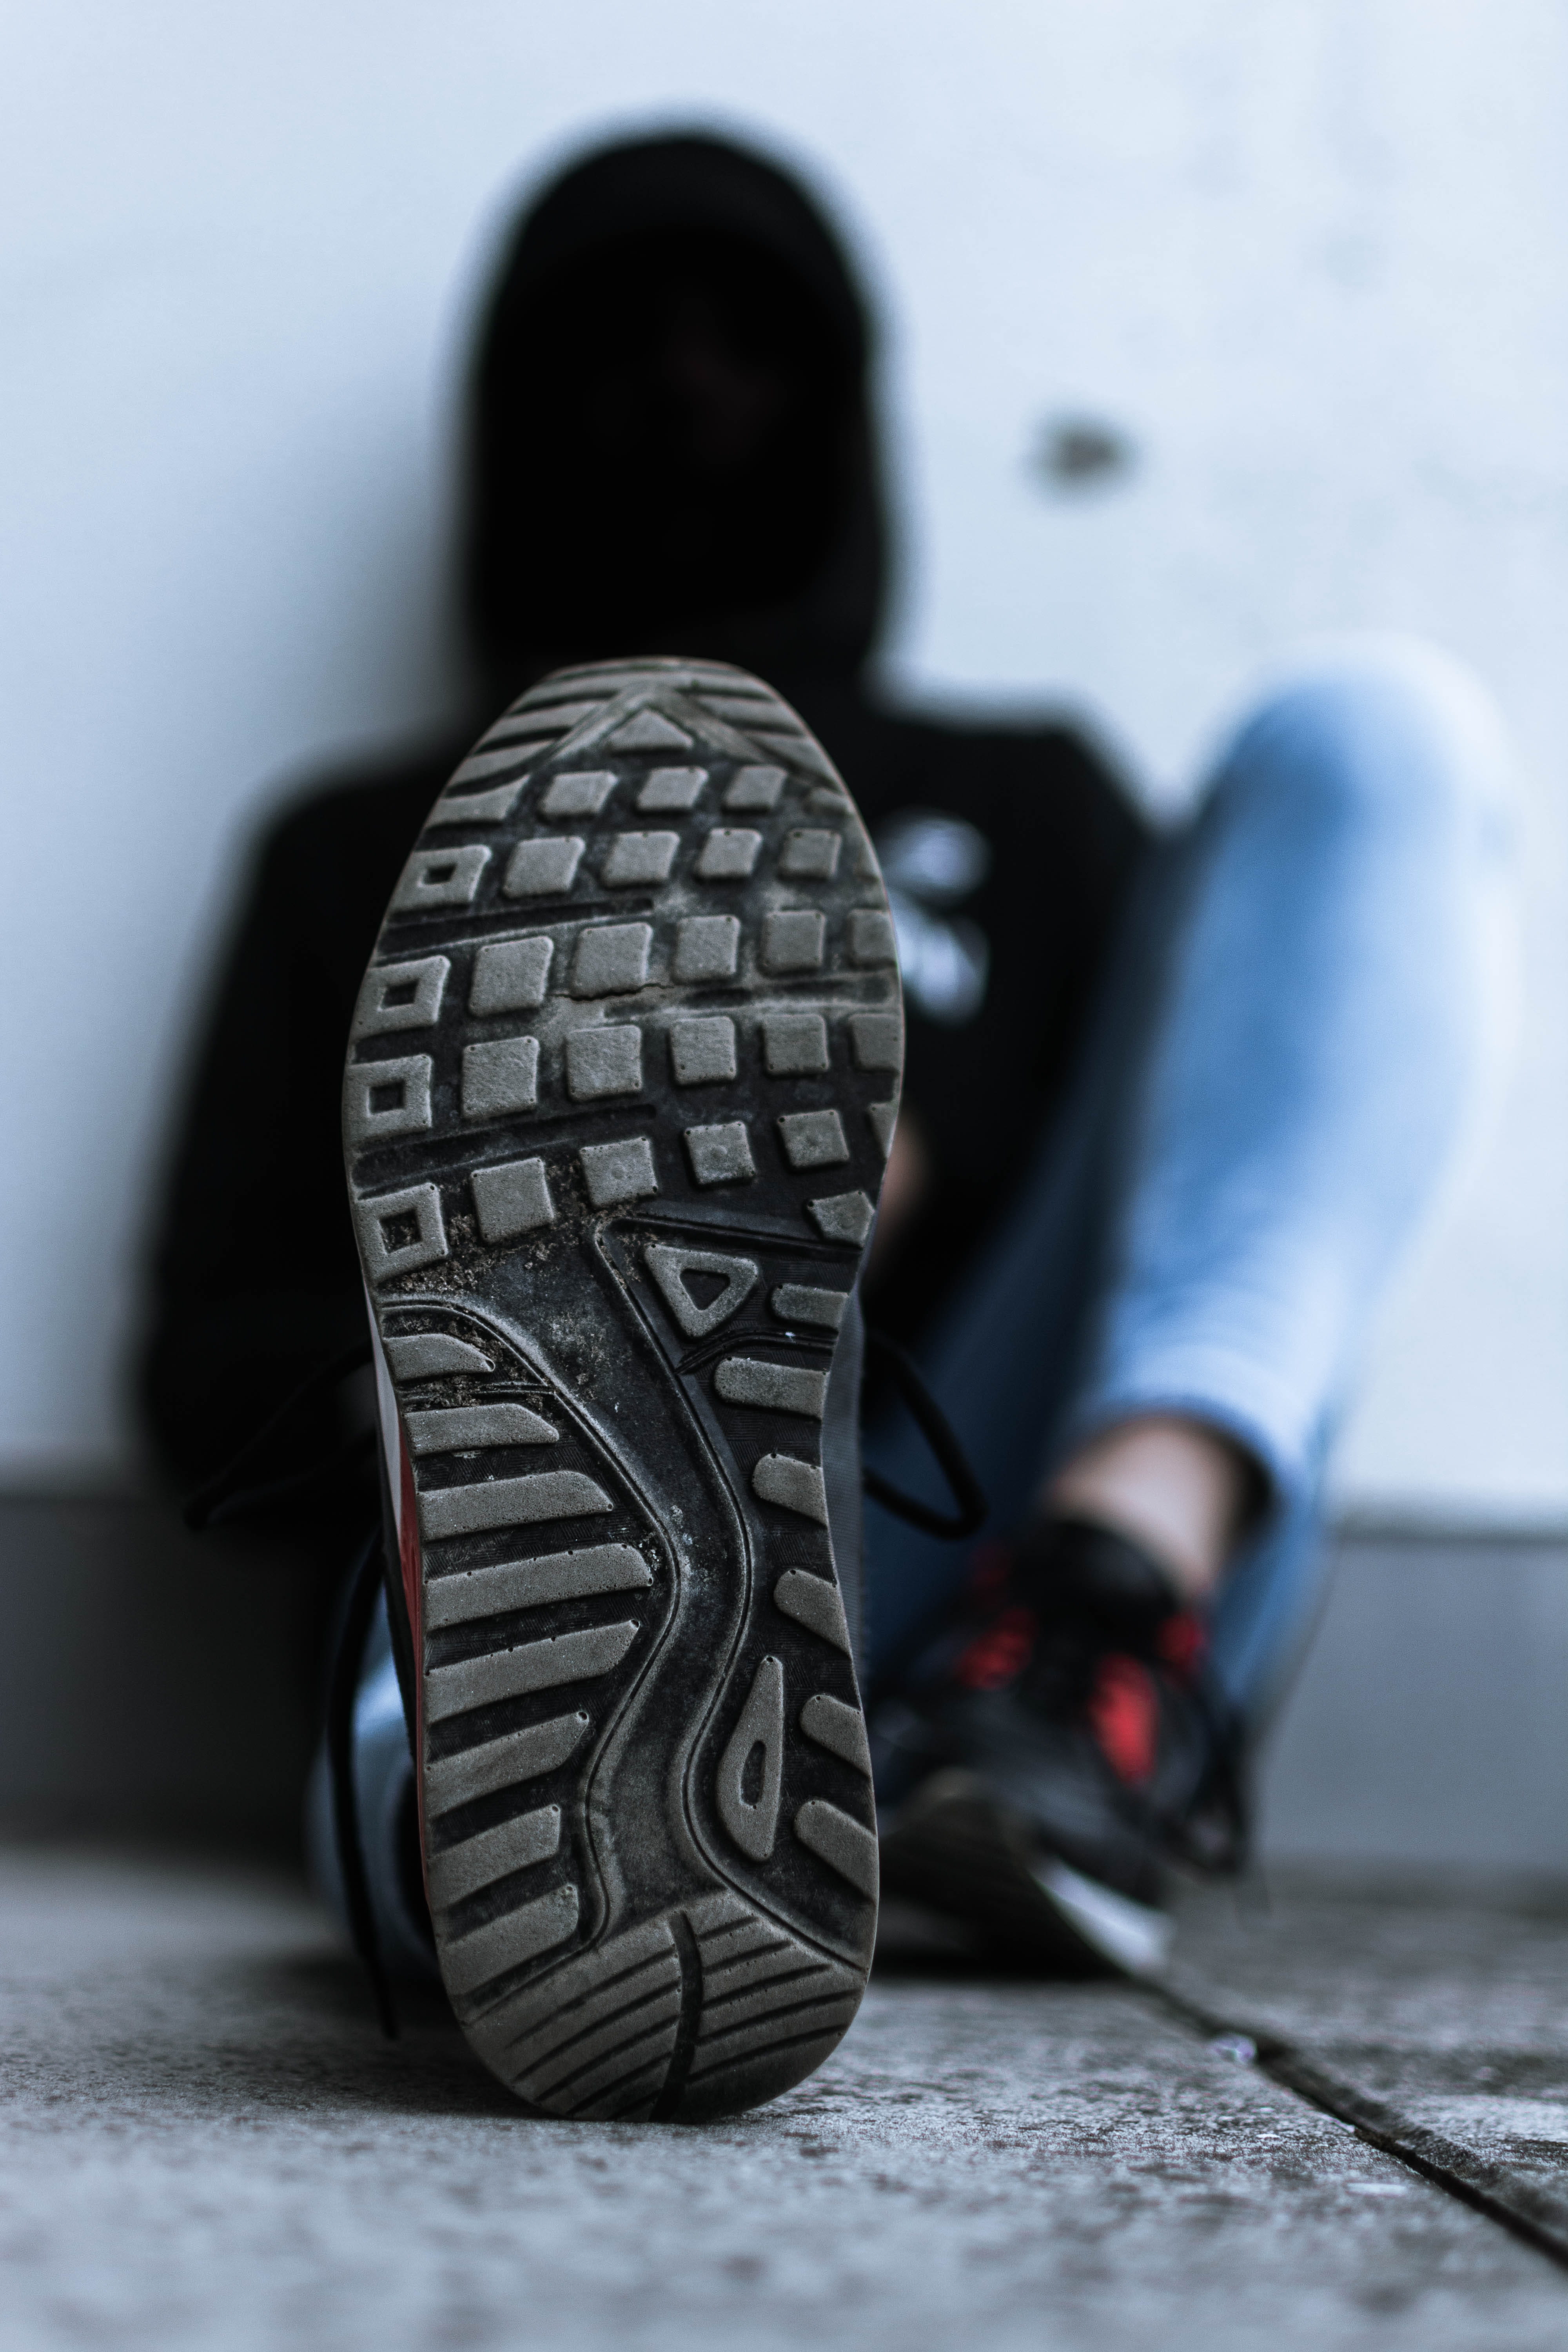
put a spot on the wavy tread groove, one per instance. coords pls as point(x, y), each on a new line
point(630, 1051)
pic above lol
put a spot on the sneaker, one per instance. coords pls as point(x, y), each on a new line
point(621, 1083)
point(1054, 1751)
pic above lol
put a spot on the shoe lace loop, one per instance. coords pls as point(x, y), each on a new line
point(1213, 1834)
point(224, 1498)
point(967, 1493)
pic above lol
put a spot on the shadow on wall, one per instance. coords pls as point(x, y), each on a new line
point(153, 1684)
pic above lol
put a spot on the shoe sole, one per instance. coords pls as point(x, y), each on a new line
point(621, 1084)
point(953, 1849)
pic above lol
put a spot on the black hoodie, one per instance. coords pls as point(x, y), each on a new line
point(669, 451)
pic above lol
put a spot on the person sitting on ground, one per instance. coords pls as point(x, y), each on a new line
point(1175, 1102)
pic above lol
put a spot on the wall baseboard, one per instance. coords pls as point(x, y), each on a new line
point(160, 1685)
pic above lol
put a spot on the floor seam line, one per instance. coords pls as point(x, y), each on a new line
point(1532, 2214)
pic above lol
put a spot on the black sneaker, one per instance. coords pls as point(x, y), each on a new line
point(1054, 1751)
point(622, 1080)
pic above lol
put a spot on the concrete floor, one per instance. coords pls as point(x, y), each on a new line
point(204, 2142)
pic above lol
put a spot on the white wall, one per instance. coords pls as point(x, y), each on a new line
point(1309, 254)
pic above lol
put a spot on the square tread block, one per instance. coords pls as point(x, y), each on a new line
point(814, 1138)
point(756, 788)
point(514, 1198)
point(794, 1045)
point(499, 1075)
point(702, 1052)
point(877, 1039)
point(810, 856)
point(794, 940)
point(871, 937)
point(606, 1061)
point(439, 878)
point(638, 857)
point(399, 1231)
point(611, 960)
point(583, 795)
point(387, 1098)
point(729, 855)
point(707, 947)
point(620, 1172)
point(401, 996)
point(511, 976)
point(670, 789)
point(720, 1155)
point(543, 868)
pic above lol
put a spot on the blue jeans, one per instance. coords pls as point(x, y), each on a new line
point(1306, 1012)
point(1297, 1033)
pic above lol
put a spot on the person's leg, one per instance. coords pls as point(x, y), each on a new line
point(1335, 1010)
point(1293, 1048)
point(385, 1799)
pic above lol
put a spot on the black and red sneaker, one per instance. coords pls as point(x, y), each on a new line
point(1054, 1751)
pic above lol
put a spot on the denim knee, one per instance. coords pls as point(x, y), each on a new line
point(1379, 731)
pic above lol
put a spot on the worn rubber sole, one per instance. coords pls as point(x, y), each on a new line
point(953, 1849)
point(622, 1081)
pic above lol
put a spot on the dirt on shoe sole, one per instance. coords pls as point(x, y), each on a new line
point(621, 1085)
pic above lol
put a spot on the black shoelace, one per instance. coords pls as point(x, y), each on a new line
point(224, 1498)
point(243, 1490)
point(969, 1516)
point(1215, 1835)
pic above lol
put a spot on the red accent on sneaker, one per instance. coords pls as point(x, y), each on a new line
point(999, 1655)
point(1124, 1715)
point(413, 1593)
point(408, 1539)
point(1182, 1642)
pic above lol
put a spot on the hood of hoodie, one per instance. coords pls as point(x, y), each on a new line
point(669, 445)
